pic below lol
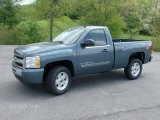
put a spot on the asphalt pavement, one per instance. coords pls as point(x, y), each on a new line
point(107, 96)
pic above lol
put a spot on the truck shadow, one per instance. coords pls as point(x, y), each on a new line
point(22, 93)
point(98, 80)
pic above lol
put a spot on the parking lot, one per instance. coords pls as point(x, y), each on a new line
point(107, 96)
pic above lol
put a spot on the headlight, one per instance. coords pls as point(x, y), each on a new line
point(33, 62)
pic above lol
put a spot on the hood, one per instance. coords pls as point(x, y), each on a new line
point(37, 48)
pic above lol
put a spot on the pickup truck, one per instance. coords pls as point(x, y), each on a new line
point(76, 52)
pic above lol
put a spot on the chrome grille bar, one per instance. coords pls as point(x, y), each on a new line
point(18, 61)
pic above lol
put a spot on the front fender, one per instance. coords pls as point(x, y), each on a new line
point(60, 55)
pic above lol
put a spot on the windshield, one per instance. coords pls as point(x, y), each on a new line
point(69, 36)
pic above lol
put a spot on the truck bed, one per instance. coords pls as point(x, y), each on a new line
point(123, 48)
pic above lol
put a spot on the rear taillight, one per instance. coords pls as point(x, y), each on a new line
point(151, 49)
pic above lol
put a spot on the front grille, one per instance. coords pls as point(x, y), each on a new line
point(18, 61)
point(19, 64)
point(18, 57)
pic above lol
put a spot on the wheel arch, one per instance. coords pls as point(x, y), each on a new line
point(137, 55)
point(66, 63)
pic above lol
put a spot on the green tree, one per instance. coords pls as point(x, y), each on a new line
point(102, 13)
point(42, 9)
point(48, 9)
point(131, 16)
point(8, 9)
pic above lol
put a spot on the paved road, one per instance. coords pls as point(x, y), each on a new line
point(108, 96)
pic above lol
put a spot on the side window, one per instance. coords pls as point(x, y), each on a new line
point(98, 36)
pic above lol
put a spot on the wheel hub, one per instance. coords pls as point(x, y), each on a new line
point(62, 80)
point(135, 69)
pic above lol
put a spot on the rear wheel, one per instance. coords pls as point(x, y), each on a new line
point(133, 69)
point(58, 80)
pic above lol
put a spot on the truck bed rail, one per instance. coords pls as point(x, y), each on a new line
point(127, 40)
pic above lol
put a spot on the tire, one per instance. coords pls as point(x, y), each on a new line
point(133, 69)
point(58, 80)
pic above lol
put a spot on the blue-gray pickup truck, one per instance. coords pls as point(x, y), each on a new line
point(76, 52)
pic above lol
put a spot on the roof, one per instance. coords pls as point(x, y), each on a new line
point(94, 27)
point(88, 27)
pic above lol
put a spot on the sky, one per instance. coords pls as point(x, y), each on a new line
point(24, 2)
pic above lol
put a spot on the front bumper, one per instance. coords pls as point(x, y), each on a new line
point(28, 76)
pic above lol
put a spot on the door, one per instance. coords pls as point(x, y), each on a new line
point(95, 58)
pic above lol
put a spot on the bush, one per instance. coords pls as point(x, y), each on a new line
point(28, 32)
point(4, 34)
point(23, 33)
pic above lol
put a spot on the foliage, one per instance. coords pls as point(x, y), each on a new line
point(156, 32)
point(29, 32)
point(23, 14)
point(23, 33)
point(4, 34)
point(33, 31)
point(131, 16)
point(8, 11)
point(63, 23)
point(100, 12)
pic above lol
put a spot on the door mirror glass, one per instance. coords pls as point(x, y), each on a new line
point(88, 43)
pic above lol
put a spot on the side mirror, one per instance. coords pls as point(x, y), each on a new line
point(87, 43)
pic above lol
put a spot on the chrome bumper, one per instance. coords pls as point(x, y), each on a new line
point(17, 71)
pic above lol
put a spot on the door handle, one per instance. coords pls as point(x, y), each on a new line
point(104, 50)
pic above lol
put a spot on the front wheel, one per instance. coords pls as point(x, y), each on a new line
point(58, 80)
point(133, 69)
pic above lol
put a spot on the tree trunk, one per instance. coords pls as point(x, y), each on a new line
point(51, 19)
point(51, 27)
